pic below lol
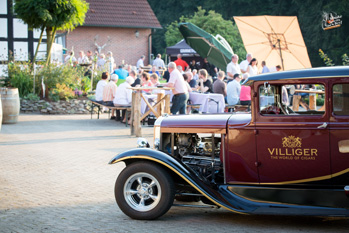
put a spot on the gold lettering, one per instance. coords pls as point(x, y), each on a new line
point(313, 152)
point(298, 151)
point(288, 153)
point(271, 152)
point(306, 152)
point(280, 152)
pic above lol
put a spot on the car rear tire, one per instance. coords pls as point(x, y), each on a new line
point(144, 191)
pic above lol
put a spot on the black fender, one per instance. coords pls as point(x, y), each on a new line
point(222, 195)
point(182, 171)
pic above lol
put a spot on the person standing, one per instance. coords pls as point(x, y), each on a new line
point(110, 62)
point(193, 65)
point(205, 85)
point(181, 62)
point(244, 64)
point(140, 62)
point(82, 58)
point(100, 87)
point(122, 73)
point(180, 91)
point(245, 93)
point(233, 67)
point(219, 86)
point(89, 55)
point(210, 68)
point(265, 67)
point(159, 63)
point(101, 61)
point(109, 92)
point(70, 59)
point(233, 90)
point(252, 69)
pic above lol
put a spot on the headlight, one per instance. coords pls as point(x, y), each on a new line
point(157, 125)
point(142, 143)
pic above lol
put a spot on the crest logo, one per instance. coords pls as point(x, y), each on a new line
point(291, 142)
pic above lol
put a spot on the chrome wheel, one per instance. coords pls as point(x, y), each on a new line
point(142, 192)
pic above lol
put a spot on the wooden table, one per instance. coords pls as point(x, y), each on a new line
point(161, 106)
point(312, 100)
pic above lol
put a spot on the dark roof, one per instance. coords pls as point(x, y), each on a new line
point(121, 13)
point(181, 47)
point(323, 72)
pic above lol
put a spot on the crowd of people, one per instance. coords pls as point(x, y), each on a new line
point(179, 75)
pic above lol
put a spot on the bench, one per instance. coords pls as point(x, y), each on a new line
point(110, 108)
point(194, 108)
point(236, 108)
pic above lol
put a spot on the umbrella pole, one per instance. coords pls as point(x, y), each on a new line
point(282, 60)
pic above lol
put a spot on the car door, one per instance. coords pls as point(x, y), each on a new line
point(339, 131)
point(292, 147)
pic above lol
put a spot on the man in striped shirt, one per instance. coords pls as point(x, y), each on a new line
point(109, 92)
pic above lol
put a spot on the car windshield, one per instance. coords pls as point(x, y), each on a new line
point(300, 99)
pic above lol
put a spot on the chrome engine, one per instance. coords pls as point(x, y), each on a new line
point(201, 154)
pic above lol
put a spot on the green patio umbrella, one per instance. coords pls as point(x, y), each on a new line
point(206, 45)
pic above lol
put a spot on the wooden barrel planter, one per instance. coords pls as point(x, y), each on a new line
point(10, 105)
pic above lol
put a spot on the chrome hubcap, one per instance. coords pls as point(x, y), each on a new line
point(142, 192)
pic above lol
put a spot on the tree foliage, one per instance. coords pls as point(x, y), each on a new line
point(211, 22)
point(51, 15)
point(309, 13)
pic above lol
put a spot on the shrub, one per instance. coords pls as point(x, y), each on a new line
point(63, 92)
point(19, 76)
point(32, 97)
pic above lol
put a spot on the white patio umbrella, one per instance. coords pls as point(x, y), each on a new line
point(275, 39)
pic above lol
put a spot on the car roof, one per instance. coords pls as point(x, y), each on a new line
point(322, 72)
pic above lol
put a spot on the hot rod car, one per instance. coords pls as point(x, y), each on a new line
point(289, 155)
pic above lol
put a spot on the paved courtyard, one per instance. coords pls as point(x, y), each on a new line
point(55, 177)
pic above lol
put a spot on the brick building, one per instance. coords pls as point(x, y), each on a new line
point(123, 26)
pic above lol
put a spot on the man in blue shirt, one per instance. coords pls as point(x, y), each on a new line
point(265, 67)
point(121, 73)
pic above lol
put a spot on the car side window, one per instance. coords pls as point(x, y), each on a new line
point(341, 99)
point(300, 99)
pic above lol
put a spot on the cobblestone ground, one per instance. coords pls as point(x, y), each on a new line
point(54, 177)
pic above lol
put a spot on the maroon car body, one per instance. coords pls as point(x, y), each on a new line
point(280, 158)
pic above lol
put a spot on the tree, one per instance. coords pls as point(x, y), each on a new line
point(211, 22)
point(309, 13)
point(51, 15)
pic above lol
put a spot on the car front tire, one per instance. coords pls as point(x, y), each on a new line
point(144, 191)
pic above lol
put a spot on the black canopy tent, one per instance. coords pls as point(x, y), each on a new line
point(188, 54)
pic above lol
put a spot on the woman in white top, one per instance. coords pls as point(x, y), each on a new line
point(252, 69)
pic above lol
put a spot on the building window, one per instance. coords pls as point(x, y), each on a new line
point(3, 50)
point(37, 32)
point(3, 70)
point(3, 7)
point(341, 99)
point(20, 30)
point(3, 30)
point(42, 51)
point(20, 51)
